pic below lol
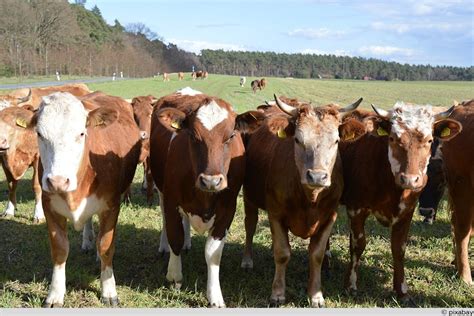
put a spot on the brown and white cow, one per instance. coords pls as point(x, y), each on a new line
point(18, 152)
point(197, 161)
point(180, 76)
point(198, 74)
point(34, 96)
point(263, 83)
point(384, 173)
point(89, 151)
point(205, 74)
point(294, 172)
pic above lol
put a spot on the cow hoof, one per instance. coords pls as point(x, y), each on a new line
point(216, 305)
point(277, 301)
point(176, 285)
point(247, 264)
point(318, 302)
point(52, 305)
point(110, 301)
point(407, 301)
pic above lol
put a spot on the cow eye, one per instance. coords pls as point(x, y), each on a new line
point(337, 141)
point(297, 140)
point(39, 135)
point(230, 138)
point(82, 134)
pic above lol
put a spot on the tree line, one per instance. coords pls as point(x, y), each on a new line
point(324, 66)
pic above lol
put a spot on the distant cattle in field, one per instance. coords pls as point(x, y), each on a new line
point(193, 75)
point(18, 152)
point(242, 81)
point(89, 152)
point(384, 173)
point(205, 74)
point(263, 83)
point(33, 96)
point(258, 84)
point(458, 161)
point(197, 161)
point(180, 76)
point(166, 77)
point(294, 172)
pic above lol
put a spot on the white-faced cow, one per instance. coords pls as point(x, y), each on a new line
point(18, 152)
point(384, 173)
point(294, 172)
point(242, 81)
point(89, 152)
point(197, 161)
point(458, 173)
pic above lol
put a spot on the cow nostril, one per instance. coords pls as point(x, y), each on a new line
point(217, 181)
point(324, 176)
point(417, 179)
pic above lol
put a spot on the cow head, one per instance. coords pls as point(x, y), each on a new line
point(142, 110)
point(61, 124)
point(410, 130)
point(211, 129)
point(316, 132)
point(8, 100)
point(13, 127)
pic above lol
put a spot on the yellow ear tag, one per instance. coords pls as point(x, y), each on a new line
point(281, 133)
point(175, 125)
point(381, 132)
point(350, 136)
point(445, 132)
point(21, 122)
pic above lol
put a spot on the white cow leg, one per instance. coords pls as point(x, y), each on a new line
point(107, 282)
point(39, 213)
point(10, 210)
point(175, 270)
point(58, 286)
point(213, 253)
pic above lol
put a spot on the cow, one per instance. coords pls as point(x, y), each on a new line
point(180, 76)
point(263, 83)
point(18, 152)
point(294, 172)
point(255, 84)
point(242, 81)
point(89, 151)
point(33, 96)
point(193, 75)
point(197, 162)
point(142, 109)
point(166, 77)
point(458, 162)
point(205, 74)
point(198, 74)
point(384, 173)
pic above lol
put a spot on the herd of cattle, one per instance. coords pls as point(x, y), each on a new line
point(296, 161)
point(194, 75)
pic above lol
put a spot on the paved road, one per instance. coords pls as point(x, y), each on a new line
point(14, 86)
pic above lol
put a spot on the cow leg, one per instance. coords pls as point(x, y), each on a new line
point(357, 246)
point(149, 182)
point(213, 254)
point(12, 184)
point(57, 231)
point(88, 236)
point(127, 195)
point(461, 222)
point(281, 256)
point(251, 219)
point(317, 249)
point(39, 213)
point(164, 244)
point(175, 236)
point(399, 236)
point(106, 249)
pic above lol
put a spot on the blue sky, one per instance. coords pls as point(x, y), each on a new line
point(432, 32)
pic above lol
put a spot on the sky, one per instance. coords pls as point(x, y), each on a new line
point(432, 32)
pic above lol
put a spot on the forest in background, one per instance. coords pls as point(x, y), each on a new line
point(40, 37)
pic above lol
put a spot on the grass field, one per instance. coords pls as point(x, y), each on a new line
point(25, 265)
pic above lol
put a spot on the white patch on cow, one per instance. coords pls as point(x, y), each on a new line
point(425, 169)
point(412, 117)
point(4, 104)
point(404, 287)
point(213, 254)
point(211, 114)
point(61, 121)
point(188, 91)
point(353, 275)
point(199, 225)
point(394, 163)
point(327, 253)
point(88, 236)
point(318, 299)
point(39, 213)
point(360, 236)
point(87, 207)
point(107, 281)
point(395, 219)
point(175, 273)
point(10, 210)
point(402, 206)
point(57, 288)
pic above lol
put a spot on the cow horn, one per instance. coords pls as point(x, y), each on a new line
point(24, 99)
point(381, 112)
point(444, 114)
point(351, 107)
point(288, 109)
point(270, 103)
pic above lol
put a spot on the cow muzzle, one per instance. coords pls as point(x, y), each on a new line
point(3, 145)
point(214, 183)
point(58, 184)
point(411, 181)
point(317, 178)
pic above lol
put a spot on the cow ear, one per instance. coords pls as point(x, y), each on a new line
point(281, 126)
point(351, 130)
point(446, 129)
point(101, 117)
point(173, 119)
point(249, 122)
point(377, 126)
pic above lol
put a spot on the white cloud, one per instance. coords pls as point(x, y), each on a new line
point(311, 33)
point(314, 51)
point(197, 46)
point(386, 51)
